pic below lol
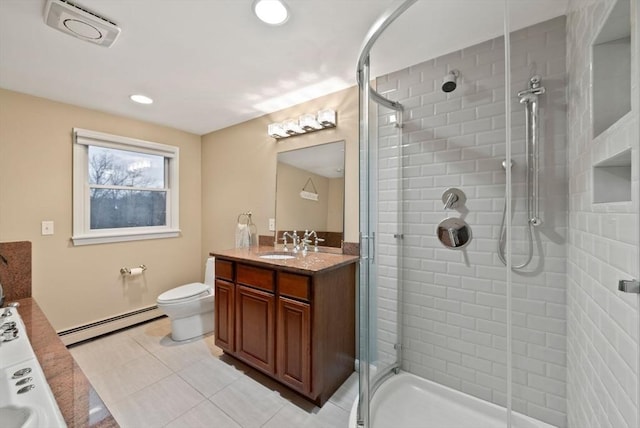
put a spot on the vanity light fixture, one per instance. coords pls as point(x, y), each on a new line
point(327, 118)
point(305, 124)
point(272, 12)
point(309, 123)
point(291, 127)
point(276, 130)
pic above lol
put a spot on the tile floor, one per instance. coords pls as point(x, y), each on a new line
point(147, 380)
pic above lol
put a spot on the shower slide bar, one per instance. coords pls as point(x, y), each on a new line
point(528, 97)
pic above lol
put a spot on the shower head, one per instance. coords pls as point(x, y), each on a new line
point(450, 81)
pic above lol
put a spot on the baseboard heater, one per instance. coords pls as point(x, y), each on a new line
point(108, 325)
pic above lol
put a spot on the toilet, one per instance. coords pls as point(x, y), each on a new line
point(190, 306)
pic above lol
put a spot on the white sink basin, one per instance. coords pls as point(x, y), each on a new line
point(25, 399)
point(277, 256)
point(18, 417)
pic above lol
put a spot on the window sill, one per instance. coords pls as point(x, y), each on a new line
point(123, 237)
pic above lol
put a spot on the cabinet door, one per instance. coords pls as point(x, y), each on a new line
point(224, 315)
point(294, 344)
point(255, 333)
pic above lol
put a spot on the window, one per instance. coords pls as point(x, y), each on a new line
point(123, 189)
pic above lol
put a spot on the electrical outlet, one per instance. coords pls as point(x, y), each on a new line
point(272, 224)
point(47, 227)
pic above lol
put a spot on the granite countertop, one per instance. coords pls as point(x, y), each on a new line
point(310, 263)
point(79, 403)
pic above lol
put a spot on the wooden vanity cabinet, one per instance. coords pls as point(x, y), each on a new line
point(224, 306)
point(294, 331)
point(255, 316)
point(295, 327)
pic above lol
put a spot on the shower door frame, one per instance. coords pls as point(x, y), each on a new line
point(367, 386)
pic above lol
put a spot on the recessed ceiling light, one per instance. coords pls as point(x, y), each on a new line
point(272, 12)
point(141, 99)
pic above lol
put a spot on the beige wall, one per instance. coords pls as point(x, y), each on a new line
point(293, 212)
point(335, 218)
point(222, 174)
point(78, 285)
point(239, 168)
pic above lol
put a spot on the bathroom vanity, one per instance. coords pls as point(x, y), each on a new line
point(293, 319)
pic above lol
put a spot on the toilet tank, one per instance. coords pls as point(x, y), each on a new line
point(210, 272)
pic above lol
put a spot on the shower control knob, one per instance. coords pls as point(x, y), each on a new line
point(454, 233)
point(453, 198)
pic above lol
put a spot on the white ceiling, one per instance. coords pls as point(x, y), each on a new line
point(209, 64)
point(326, 160)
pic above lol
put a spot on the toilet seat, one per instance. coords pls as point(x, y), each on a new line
point(184, 293)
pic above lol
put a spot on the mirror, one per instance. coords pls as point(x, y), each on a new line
point(310, 192)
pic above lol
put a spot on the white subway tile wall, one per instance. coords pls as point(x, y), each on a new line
point(602, 323)
point(454, 302)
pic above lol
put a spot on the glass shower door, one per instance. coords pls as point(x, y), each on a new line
point(380, 214)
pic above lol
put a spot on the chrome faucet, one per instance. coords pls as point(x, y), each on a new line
point(295, 239)
point(308, 235)
point(284, 241)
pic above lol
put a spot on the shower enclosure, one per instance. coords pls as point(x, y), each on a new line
point(497, 279)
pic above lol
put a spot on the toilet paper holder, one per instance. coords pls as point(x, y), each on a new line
point(127, 271)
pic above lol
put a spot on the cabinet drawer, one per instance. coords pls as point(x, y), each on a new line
point(296, 286)
point(256, 277)
point(224, 269)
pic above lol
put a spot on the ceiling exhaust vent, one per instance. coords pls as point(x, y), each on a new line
point(80, 22)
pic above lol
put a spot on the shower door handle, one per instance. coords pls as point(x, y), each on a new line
point(371, 246)
point(629, 286)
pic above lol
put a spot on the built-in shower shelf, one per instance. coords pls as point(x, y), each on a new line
point(611, 68)
point(612, 179)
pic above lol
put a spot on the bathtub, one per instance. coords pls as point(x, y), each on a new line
point(408, 401)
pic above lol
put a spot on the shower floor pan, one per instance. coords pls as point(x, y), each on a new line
point(408, 401)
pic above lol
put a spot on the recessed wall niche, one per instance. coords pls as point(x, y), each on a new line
point(612, 179)
point(612, 69)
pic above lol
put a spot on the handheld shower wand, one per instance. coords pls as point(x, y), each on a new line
point(528, 97)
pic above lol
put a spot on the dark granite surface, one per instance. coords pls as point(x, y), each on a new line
point(15, 274)
point(79, 403)
point(310, 263)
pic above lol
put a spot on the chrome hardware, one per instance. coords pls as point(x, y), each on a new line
point(308, 235)
point(9, 334)
point(629, 286)
point(296, 241)
point(453, 198)
point(454, 233)
point(24, 381)
point(127, 271)
point(25, 389)
point(7, 311)
point(8, 331)
point(284, 239)
point(370, 246)
point(21, 372)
